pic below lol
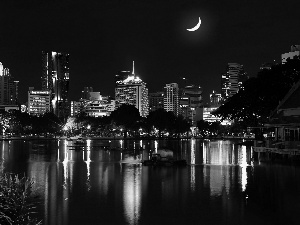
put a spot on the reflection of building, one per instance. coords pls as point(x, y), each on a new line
point(171, 98)
point(38, 102)
point(55, 78)
point(133, 91)
point(232, 80)
point(224, 153)
point(295, 51)
point(191, 103)
point(156, 101)
point(8, 87)
point(132, 195)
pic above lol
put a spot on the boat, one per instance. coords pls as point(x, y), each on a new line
point(79, 141)
point(164, 157)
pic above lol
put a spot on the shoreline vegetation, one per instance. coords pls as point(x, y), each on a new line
point(16, 201)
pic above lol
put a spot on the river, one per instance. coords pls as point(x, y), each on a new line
point(220, 185)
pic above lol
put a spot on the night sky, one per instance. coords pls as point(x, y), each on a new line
point(105, 36)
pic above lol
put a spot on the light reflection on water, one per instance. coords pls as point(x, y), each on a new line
point(88, 186)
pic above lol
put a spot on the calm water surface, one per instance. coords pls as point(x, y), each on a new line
point(221, 184)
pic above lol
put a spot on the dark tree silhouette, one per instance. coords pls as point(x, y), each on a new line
point(260, 95)
point(127, 116)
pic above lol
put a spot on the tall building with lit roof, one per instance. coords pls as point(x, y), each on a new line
point(55, 78)
point(130, 89)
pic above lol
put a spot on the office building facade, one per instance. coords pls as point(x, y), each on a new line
point(156, 101)
point(171, 98)
point(191, 103)
point(232, 80)
point(8, 87)
point(55, 78)
point(39, 102)
point(215, 99)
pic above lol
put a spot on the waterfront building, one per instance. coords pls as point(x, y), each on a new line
point(295, 51)
point(133, 91)
point(232, 80)
point(156, 100)
point(8, 87)
point(191, 103)
point(171, 98)
point(39, 102)
point(55, 78)
point(285, 123)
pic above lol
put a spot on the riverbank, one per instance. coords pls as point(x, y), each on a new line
point(122, 138)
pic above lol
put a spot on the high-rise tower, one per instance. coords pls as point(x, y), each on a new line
point(8, 87)
point(190, 103)
point(55, 78)
point(171, 98)
point(232, 80)
point(130, 89)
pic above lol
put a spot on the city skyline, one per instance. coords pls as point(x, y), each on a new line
point(104, 38)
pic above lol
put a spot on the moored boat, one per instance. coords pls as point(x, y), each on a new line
point(164, 157)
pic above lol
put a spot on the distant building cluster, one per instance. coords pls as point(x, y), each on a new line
point(187, 101)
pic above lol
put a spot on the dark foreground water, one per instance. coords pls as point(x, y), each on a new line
point(221, 184)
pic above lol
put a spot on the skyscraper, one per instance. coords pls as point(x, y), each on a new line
point(191, 103)
point(55, 78)
point(132, 90)
point(156, 100)
point(171, 98)
point(8, 87)
point(232, 80)
point(215, 99)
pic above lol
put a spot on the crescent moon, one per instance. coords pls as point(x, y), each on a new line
point(196, 27)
